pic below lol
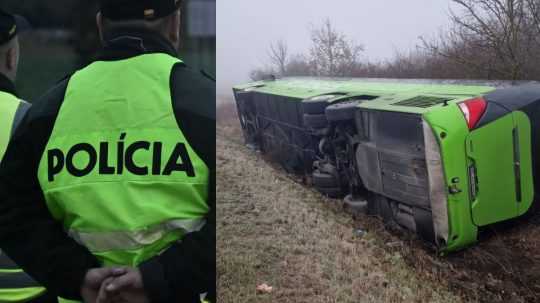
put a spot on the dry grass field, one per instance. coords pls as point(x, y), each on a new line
point(272, 229)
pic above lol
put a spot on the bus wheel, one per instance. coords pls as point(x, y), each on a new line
point(321, 179)
point(341, 111)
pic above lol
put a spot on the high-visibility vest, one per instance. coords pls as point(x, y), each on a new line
point(8, 108)
point(117, 171)
point(15, 284)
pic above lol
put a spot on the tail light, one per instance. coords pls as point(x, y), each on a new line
point(473, 110)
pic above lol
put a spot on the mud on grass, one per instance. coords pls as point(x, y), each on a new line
point(504, 266)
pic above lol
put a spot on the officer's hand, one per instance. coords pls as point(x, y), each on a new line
point(93, 280)
point(125, 288)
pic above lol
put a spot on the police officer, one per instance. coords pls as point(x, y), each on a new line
point(115, 166)
point(15, 284)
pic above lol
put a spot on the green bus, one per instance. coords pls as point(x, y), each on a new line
point(441, 159)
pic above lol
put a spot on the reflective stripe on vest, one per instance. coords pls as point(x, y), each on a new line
point(16, 279)
point(21, 294)
point(129, 240)
point(8, 109)
point(117, 170)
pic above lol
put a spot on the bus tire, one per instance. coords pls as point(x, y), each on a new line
point(324, 180)
point(341, 111)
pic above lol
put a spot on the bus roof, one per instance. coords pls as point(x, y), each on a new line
point(306, 87)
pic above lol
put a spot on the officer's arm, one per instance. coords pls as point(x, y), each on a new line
point(28, 233)
point(187, 269)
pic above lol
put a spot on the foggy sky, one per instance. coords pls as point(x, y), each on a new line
point(245, 29)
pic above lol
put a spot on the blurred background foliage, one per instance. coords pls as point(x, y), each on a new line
point(64, 38)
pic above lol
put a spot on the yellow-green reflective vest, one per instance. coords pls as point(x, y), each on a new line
point(117, 170)
point(15, 284)
point(8, 108)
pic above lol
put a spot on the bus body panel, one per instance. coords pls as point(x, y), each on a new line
point(490, 151)
point(451, 130)
point(523, 126)
point(500, 154)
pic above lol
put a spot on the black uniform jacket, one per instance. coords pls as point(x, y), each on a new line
point(35, 241)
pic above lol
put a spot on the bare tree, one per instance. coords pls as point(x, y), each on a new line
point(533, 10)
point(262, 74)
point(489, 39)
point(331, 54)
point(489, 36)
point(298, 65)
point(279, 56)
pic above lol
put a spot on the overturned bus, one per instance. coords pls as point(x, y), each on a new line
point(441, 160)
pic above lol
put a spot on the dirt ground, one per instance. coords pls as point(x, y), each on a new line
point(273, 229)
